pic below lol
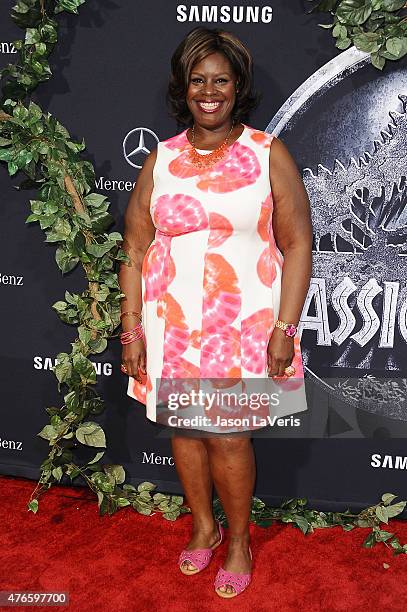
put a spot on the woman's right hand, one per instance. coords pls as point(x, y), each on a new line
point(134, 358)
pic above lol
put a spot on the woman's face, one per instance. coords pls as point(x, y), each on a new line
point(211, 91)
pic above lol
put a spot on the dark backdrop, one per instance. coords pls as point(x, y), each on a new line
point(110, 71)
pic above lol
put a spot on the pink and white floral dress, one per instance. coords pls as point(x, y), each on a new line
point(211, 278)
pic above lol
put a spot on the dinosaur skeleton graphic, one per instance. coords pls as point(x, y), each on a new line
point(359, 216)
point(362, 209)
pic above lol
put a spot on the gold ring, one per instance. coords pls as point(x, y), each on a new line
point(290, 371)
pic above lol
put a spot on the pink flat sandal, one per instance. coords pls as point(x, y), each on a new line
point(239, 582)
point(200, 557)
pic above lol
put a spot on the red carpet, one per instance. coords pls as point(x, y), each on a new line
point(127, 562)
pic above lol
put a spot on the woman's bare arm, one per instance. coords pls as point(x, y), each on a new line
point(293, 233)
point(138, 234)
point(292, 230)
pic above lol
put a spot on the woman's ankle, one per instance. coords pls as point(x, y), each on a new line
point(204, 525)
point(239, 540)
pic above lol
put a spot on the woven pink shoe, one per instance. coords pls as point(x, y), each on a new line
point(200, 557)
point(239, 582)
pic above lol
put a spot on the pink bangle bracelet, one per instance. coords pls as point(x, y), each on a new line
point(131, 335)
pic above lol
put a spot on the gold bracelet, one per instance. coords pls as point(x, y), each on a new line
point(131, 312)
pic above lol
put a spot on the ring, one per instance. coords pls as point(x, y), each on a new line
point(290, 371)
point(123, 368)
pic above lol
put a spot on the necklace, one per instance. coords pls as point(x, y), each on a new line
point(204, 161)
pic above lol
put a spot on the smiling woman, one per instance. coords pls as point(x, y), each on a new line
point(231, 69)
point(219, 236)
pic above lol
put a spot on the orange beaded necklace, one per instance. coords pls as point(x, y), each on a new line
point(208, 159)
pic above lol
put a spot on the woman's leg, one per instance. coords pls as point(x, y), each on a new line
point(232, 465)
point(191, 461)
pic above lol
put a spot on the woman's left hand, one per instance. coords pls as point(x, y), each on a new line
point(280, 353)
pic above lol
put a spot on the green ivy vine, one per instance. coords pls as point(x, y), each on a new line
point(378, 27)
point(77, 221)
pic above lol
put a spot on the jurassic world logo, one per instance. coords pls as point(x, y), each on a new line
point(354, 322)
point(357, 302)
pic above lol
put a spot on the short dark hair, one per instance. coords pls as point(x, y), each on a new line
point(198, 44)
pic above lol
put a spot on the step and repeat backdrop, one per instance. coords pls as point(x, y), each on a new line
point(344, 122)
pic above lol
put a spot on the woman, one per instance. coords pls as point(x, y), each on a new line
point(220, 287)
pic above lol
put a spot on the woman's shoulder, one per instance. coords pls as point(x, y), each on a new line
point(260, 137)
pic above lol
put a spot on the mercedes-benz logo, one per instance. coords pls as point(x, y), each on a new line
point(136, 145)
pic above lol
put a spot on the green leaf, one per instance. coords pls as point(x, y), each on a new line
point(141, 507)
point(32, 36)
point(95, 199)
point(171, 516)
point(159, 498)
point(59, 232)
point(6, 154)
point(368, 42)
point(116, 236)
point(71, 6)
point(101, 221)
point(85, 368)
point(395, 509)
point(98, 346)
point(301, 522)
point(387, 498)
point(12, 168)
point(85, 334)
point(65, 260)
point(102, 293)
point(91, 434)
point(48, 432)
point(41, 48)
point(382, 536)
point(98, 250)
point(378, 61)
point(146, 486)
point(60, 306)
point(354, 12)
point(50, 207)
point(100, 497)
point(57, 473)
point(392, 5)
point(71, 298)
point(96, 457)
point(370, 540)
point(116, 472)
point(105, 485)
point(177, 499)
point(33, 506)
point(20, 112)
point(397, 46)
point(46, 221)
point(340, 31)
point(343, 43)
point(63, 368)
point(31, 218)
point(381, 513)
point(48, 32)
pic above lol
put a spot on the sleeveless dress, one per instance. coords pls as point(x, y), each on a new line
point(211, 278)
